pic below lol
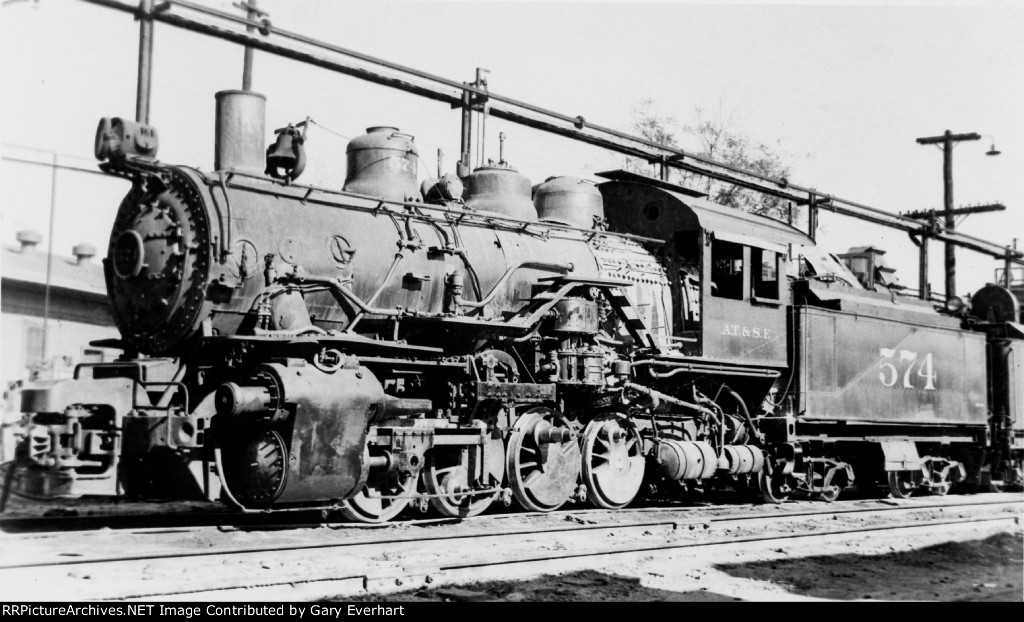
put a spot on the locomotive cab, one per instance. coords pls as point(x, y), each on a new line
point(727, 284)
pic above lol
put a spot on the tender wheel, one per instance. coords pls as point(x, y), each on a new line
point(383, 497)
point(941, 483)
point(901, 484)
point(940, 474)
point(542, 472)
point(446, 479)
point(613, 463)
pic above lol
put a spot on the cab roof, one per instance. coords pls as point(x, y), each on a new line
point(632, 205)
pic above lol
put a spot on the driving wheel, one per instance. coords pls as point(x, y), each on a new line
point(543, 460)
point(383, 497)
point(613, 463)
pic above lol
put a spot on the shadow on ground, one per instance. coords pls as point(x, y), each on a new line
point(584, 585)
point(976, 570)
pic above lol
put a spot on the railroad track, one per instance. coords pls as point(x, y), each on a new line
point(306, 565)
point(84, 518)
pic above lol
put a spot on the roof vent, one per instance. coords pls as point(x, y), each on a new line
point(28, 240)
point(83, 252)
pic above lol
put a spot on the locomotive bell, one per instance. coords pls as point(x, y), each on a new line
point(569, 201)
point(382, 163)
point(286, 158)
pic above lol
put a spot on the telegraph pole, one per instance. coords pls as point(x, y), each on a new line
point(946, 141)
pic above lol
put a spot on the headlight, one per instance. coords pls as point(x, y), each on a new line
point(119, 138)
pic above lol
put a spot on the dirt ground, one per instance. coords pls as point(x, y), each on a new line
point(989, 569)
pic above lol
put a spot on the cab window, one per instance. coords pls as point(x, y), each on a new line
point(764, 278)
point(727, 270)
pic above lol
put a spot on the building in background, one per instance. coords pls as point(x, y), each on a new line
point(46, 340)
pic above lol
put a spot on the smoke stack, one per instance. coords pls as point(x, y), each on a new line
point(28, 240)
point(83, 253)
point(240, 131)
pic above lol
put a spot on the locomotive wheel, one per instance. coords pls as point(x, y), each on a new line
point(542, 475)
point(254, 467)
point(376, 502)
point(901, 484)
point(613, 462)
point(446, 479)
point(775, 488)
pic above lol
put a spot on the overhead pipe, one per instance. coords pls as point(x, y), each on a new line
point(145, 76)
point(453, 95)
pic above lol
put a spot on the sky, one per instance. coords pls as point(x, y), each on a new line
point(840, 91)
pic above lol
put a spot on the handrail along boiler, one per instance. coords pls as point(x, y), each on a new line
point(477, 339)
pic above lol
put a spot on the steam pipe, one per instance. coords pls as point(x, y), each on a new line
point(658, 395)
point(387, 278)
point(743, 407)
point(356, 300)
point(525, 263)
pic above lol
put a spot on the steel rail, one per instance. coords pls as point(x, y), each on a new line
point(225, 520)
point(519, 113)
point(674, 523)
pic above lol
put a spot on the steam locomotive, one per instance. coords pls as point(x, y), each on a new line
point(477, 339)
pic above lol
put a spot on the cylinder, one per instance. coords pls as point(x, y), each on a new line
point(686, 460)
point(240, 131)
point(743, 459)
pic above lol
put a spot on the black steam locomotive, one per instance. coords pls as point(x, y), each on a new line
point(477, 339)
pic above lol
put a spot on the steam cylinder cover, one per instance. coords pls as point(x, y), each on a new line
point(569, 201)
point(500, 190)
point(382, 163)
